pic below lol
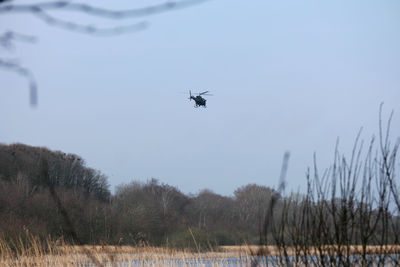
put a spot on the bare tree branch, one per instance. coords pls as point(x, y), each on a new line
point(6, 40)
point(98, 11)
point(15, 67)
point(389, 154)
point(88, 29)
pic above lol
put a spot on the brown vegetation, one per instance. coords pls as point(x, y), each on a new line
point(350, 209)
point(50, 193)
point(349, 214)
point(291, 251)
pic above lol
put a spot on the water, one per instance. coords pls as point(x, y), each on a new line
point(373, 260)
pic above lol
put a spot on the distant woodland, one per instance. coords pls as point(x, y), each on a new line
point(151, 212)
point(53, 194)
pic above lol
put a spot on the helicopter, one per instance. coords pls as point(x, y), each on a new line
point(199, 100)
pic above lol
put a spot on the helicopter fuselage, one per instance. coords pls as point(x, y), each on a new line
point(199, 101)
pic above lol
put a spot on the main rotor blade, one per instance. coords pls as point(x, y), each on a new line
point(204, 93)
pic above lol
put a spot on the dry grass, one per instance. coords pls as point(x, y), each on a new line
point(33, 252)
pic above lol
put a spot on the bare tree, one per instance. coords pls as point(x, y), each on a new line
point(344, 219)
point(389, 155)
point(251, 201)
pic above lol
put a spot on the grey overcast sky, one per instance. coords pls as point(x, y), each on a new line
point(286, 76)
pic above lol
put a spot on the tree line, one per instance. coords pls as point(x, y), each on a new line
point(352, 203)
point(149, 212)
